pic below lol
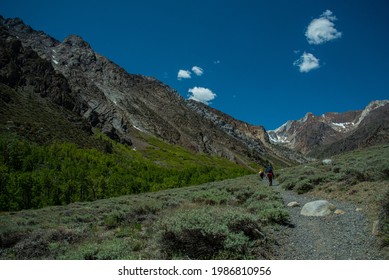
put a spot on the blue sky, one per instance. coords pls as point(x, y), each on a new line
point(263, 62)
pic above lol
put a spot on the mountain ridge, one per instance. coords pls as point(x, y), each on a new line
point(122, 104)
point(313, 135)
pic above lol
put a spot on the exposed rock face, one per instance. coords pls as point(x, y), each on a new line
point(332, 133)
point(122, 104)
point(255, 137)
point(35, 100)
point(23, 68)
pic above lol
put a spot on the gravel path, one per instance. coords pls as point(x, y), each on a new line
point(335, 237)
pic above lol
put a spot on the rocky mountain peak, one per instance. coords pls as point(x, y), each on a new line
point(312, 133)
point(308, 117)
point(73, 52)
point(16, 23)
point(376, 103)
point(371, 107)
point(76, 41)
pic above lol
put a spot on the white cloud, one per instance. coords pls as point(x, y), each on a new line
point(197, 70)
point(183, 74)
point(322, 29)
point(216, 62)
point(201, 94)
point(307, 62)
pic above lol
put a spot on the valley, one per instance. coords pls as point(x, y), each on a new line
point(98, 163)
point(241, 218)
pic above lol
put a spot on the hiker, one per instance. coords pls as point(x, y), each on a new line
point(269, 174)
point(261, 173)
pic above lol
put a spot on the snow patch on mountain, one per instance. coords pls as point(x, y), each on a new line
point(281, 134)
point(275, 138)
point(342, 127)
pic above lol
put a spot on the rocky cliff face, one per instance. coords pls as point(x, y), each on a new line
point(336, 132)
point(22, 68)
point(123, 105)
point(35, 100)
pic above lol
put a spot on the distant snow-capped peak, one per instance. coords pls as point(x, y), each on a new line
point(339, 122)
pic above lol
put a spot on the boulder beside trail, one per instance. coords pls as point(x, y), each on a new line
point(318, 208)
point(293, 204)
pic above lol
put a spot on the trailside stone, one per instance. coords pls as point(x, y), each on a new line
point(339, 212)
point(375, 230)
point(318, 208)
point(293, 204)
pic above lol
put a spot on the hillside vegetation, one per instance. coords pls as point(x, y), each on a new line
point(34, 176)
point(361, 176)
point(230, 219)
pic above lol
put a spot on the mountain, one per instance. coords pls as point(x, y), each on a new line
point(93, 91)
point(35, 101)
point(333, 133)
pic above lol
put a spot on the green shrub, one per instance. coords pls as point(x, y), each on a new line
point(384, 220)
point(304, 186)
point(38, 244)
point(236, 246)
point(212, 197)
point(318, 179)
point(274, 216)
point(289, 185)
point(385, 173)
point(113, 220)
point(113, 249)
point(352, 177)
point(9, 236)
point(204, 233)
point(268, 212)
point(144, 210)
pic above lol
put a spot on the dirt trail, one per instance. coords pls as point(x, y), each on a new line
point(334, 237)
